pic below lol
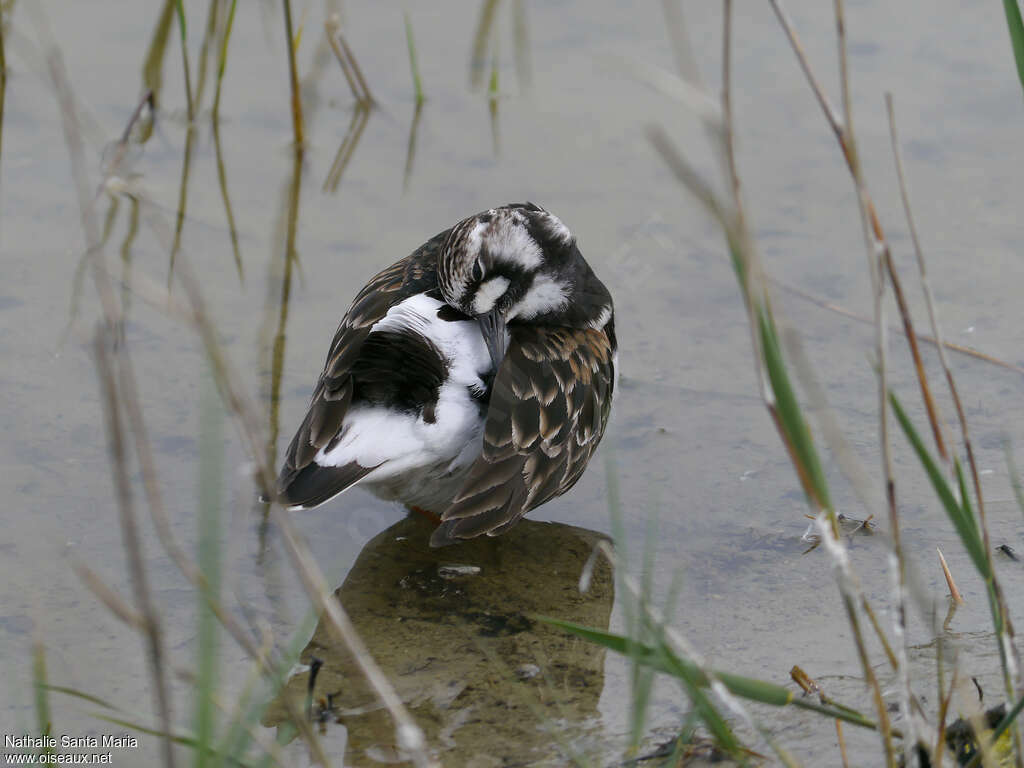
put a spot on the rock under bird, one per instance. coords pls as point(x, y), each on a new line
point(472, 379)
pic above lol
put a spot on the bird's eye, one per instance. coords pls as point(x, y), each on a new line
point(478, 271)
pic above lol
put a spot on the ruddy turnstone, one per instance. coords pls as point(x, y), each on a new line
point(473, 378)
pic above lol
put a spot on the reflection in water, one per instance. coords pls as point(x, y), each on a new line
point(453, 631)
point(360, 92)
point(179, 222)
point(481, 42)
point(117, 163)
point(485, 38)
point(492, 104)
point(222, 180)
point(360, 116)
point(485, 41)
point(521, 32)
point(410, 152)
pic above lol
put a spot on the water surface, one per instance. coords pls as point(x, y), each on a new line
point(690, 442)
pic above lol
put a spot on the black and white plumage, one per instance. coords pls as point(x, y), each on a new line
point(473, 378)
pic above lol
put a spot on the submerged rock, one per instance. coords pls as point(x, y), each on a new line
point(455, 636)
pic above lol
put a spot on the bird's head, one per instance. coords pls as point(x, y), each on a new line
point(517, 262)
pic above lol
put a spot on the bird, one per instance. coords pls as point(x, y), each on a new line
point(471, 380)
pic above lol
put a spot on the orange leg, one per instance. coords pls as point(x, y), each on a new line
point(425, 513)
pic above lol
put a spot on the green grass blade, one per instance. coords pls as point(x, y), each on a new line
point(1016, 27)
point(641, 675)
point(237, 738)
point(180, 7)
point(755, 690)
point(965, 528)
point(80, 695)
point(492, 83)
point(1008, 719)
point(3, 56)
point(222, 59)
point(417, 83)
point(211, 455)
point(716, 724)
point(745, 687)
point(790, 415)
point(153, 64)
point(177, 738)
point(969, 517)
point(44, 723)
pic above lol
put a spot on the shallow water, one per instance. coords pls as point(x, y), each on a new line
point(690, 442)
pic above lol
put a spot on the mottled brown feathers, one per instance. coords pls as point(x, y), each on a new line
point(548, 410)
point(542, 411)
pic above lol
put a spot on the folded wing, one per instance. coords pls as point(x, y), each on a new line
point(302, 482)
point(548, 410)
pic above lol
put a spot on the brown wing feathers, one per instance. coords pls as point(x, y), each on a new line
point(546, 417)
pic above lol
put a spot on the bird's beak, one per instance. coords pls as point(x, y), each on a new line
point(492, 326)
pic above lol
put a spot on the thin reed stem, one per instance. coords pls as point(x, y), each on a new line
point(184, 59)
point(129, 529)
point(105, 366)
point(3, 55)
point(1004, 628)
point(876, 227)
point(209, 33)
point(877, 250)
point(840, 310)
point(410, 150)
point(222, 181)
point(408, 736)
point(413, 64)
point(3, 80)
point(179, 221)
point(222, 60)
point(293, 75)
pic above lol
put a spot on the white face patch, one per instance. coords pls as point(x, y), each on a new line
point(488, 293)
point(545, 295)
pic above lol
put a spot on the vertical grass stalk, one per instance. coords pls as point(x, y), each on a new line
point(222, 181)
point(211, 460)
point(222, 60)
point(179, 221)
point(293, 75)
point(180, 6)
point(3, 56)
point(132, 541)
point(3, 80)
point(153, 63)
point(209, 33)
point(413, 65)
point(1008, 653)
point(44, 723)
point(876, 251)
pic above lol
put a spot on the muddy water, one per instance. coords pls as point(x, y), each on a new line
point(690, 444)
